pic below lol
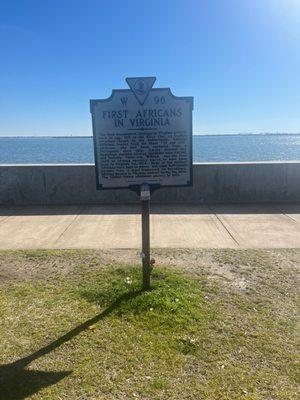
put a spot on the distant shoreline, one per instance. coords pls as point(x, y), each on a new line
point(195, 134)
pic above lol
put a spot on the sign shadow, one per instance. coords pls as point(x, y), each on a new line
point(17, 382)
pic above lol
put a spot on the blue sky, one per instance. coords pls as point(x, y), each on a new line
point(240, 59)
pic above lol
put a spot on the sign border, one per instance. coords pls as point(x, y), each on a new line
point(153, 187)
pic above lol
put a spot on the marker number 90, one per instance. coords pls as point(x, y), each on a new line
point(159, 100)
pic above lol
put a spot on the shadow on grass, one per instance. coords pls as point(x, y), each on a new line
point(17, 382)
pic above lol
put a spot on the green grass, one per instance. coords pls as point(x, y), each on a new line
point(87, 332)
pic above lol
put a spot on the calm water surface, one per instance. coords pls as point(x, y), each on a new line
point(206, 148)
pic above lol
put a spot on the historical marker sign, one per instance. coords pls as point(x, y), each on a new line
point(142, 135)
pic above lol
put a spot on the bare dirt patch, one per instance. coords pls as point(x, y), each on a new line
point(240, 269)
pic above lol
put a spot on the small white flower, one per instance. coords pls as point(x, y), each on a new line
point(176, 300)
point(128, 280)
point(151, 309)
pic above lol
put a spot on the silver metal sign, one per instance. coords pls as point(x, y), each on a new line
point(142, 136)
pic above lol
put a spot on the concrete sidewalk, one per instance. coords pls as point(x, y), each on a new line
point(190, 226)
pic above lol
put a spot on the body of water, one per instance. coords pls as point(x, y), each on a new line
point(206, 148)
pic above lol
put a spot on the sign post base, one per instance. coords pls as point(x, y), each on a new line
point(145, 209)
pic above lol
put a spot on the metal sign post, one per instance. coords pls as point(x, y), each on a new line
point(143, 142)
point(145, 208)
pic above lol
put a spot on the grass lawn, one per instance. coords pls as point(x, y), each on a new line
point(218, 324)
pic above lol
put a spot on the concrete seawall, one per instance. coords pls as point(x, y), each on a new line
point(213, 183)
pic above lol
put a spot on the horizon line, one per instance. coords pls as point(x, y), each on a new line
point(194, 134)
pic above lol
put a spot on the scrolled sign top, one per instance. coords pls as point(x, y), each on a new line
point(142, 135)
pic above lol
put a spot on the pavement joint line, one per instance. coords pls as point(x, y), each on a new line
point(289, 217)
point(73, 220)
point(6, 218)
point(224, 226)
